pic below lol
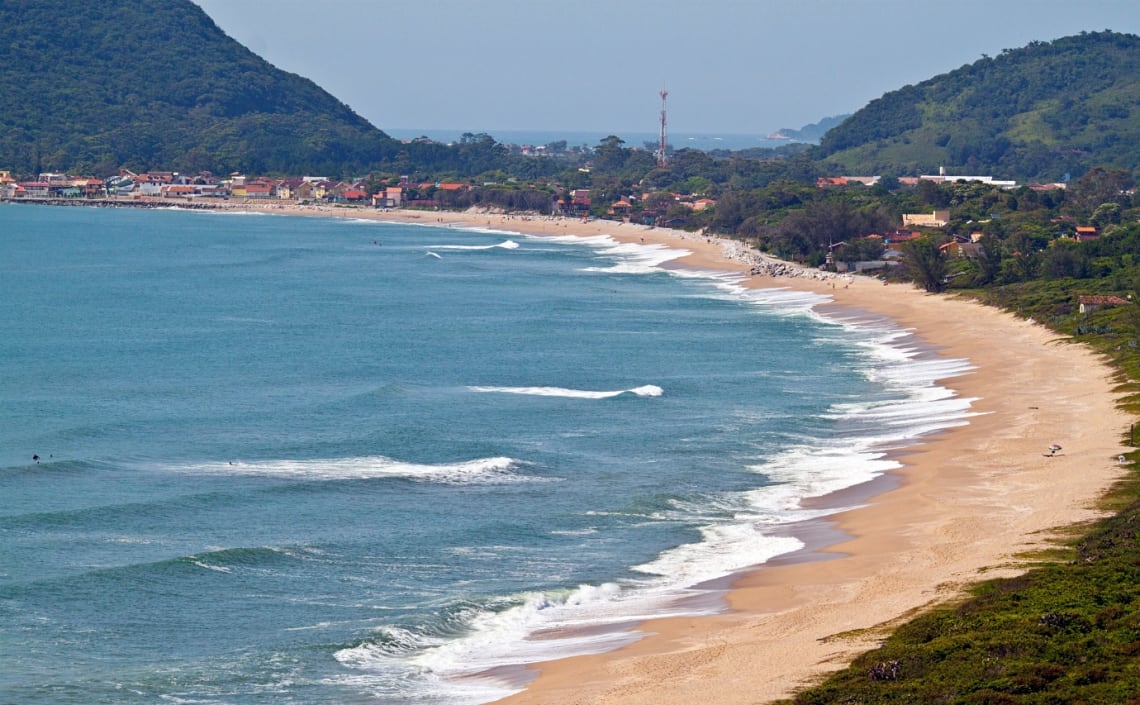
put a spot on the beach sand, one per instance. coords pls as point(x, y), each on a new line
point(966, 504)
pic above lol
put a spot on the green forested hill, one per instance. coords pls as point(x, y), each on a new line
point(1037, 112)
point(155, 84)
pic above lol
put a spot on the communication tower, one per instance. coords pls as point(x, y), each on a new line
point(661, 160)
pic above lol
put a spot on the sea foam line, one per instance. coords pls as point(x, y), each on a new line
point(649, 390)
point(481, 470)
point(742, 531)
point(505, 245)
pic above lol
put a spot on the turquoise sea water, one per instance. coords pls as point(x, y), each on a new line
point(309, 460)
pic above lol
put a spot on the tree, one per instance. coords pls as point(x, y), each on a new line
point(933, 194)
point(863, 249)
point(1107, 214)
point(1098, 186)
point(988, 260)
point(1063, 259)
point(925, 264)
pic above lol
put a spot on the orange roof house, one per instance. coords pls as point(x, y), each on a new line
point(258, 190)
point(622, 206)
point(178, 191)
point(825, 181)
point(391, 197)
point(902, 235)
point(1089, 304)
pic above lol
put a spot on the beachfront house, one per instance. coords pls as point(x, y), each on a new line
point(152, 183)
point(1089, 304)
point(178, 191)
point(259, 190)
point(33, 189)
point(620, 208)
point(580, 201)
point(7, 185)
point(304, 191)
point(390, 197)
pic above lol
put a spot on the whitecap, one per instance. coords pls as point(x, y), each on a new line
point(481, 470)
point(215, 568)
point(505, 245)
point(648, 390)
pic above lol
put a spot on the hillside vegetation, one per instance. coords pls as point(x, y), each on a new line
point(90, 87)
point(1041, 111)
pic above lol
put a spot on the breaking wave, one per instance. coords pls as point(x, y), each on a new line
point(649, 390)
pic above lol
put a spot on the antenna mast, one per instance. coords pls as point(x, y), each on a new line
point(661, 161)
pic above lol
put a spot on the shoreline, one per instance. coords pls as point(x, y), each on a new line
point(967, 501)
point(965, 504)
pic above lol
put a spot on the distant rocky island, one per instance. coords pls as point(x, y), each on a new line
point(808, 133)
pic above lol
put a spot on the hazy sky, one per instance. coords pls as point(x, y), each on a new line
point(731, 66)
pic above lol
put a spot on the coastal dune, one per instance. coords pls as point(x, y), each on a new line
point(966, 504)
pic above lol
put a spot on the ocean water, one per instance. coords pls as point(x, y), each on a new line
point(704, 141)
point(316, 460)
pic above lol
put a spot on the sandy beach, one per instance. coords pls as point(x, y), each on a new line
point(966, 504)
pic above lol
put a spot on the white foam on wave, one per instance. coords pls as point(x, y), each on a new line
point(218, 211)
point(632, 258)
point(482, 470)
point(738, 530)
point(813, 471)
point(539, 627)
point(649, 390)
point(777, 300)
point(638, 259)
point(724, 548)
point(913, 403)
point(216, 568)
point(505, 245)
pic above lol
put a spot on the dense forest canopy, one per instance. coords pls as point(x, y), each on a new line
point(92, 87)
point(1041, 111)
